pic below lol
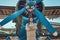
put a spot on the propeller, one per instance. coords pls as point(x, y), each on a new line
point(39, 15)
point(12, 16)
point(38, 1)
point(44, 21)
point(32, 2)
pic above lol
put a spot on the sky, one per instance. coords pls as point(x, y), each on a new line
point(14, 2)
point(51, 2)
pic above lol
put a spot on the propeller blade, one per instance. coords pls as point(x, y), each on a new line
point(38, 1)
point(44, 21)
point(12, 16)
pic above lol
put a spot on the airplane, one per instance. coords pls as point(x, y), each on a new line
point(26, 8)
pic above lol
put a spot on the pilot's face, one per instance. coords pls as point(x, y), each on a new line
point(31, 19)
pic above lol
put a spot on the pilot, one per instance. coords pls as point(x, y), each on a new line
point(31, 29)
